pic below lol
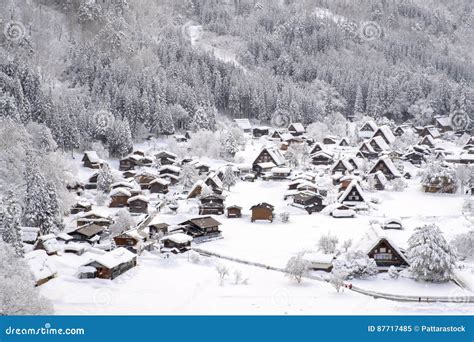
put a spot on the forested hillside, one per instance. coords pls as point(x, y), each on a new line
point(114, 71)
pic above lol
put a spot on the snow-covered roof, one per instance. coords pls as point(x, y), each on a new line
point(321, 154)
point(40, 265)
point(267, 165)
point(369, 125)
point(371, 238)
point(243, 123)
point(387, 133)
point(92, 156)
point(390, 165)
point(344, 162)
point(444, 121)
point(120, 192)
point(172, 168)
point(381, 177)
point(276, 155)
point(353, 184)
point(281, 170)
point(64, 237)
point(29, 234)
point(178, 238)
point(50, 244)
point(137, 198)
point(380, 142)
point(114, 258)
point(298, 127)
point(318, 258)
point(160, 181)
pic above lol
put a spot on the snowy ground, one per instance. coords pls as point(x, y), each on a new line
point(179, 286)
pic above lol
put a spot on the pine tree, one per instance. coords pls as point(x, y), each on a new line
point(229, 178)
point(104, 179)
point(189, 176)
point(359, 103)
point(54, 210)
point(230, 146)
point(11, 214)
point(431, 257)
point(36, 213)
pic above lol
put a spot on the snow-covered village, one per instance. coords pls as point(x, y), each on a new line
point(236, 158)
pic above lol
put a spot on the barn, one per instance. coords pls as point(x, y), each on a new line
point(262, 211)
point(112, 264)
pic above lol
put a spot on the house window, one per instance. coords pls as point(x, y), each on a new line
point(383, 256)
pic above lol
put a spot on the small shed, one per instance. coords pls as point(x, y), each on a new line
point(392, 223)
point(234, 211)
point(43, 270)
point(48, 243)
point(91, 160)
point(262, 211)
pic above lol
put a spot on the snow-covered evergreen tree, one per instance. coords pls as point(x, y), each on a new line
point(54, 211)
point(230, 146)
point(229, 178)
point(11, 214)
point(18, 294)
point(355, 265)
point(188, 176)
point(105, 178)
point(431, 257)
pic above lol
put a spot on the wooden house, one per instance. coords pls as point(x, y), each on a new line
point(309, 201)
point(203, 168)
point(112, 264)
point(443, 124)
point(89, 232)
point(211, 205)
point(119, 197)
point(353, 195)
point(234, 211)
point(202, 228)
point(29, 235)
point(414, 157)
point(319, 261)
point(41, 267)
point(368, 129)
point(128, 163)
point(262, 211)
point(81, 207)
point(316, 148)
point(280, 172)
point(214, 182)
point(145, 179)
point(135, 240)
point(176, 243)
point(428, 141)
point(431, 131)
point(166, 158)
point(402, 129)
point(367, 151)
point(386, 133)
point(384, 251)
point(92, 181)
point(91, 160)
point(342, 167)
point(392, 223)
point(170, 172)
point(342, 211)
point(138, 204)
point(343, 142)
point(277, 135)
point(48, 243)
point(329, 141)
point(92, 217)
point(296, 129)
point(269, 155)
point(159, 186)
point(157, 227)
point(322, 158)
point(379, 180)
point(258, 132)
point(387, 167)
point(378, 144)
point(244, 125)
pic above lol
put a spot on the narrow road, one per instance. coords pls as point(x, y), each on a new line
point(374, 294)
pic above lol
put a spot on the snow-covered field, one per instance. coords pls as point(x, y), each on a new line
point(180, 285)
